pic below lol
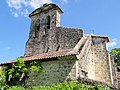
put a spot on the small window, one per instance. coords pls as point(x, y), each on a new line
point(37, 27)
point(48, 22)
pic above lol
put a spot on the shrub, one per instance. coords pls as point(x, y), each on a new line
point(17, 88)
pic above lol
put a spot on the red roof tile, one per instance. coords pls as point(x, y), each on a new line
point(61, 53)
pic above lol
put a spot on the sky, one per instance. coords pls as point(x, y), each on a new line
point(101, 17)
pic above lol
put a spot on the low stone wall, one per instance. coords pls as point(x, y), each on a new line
point(55, 72)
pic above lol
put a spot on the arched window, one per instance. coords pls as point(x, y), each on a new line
point(48, 22)
point(37, 28)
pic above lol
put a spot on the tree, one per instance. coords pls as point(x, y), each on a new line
point(116, 54)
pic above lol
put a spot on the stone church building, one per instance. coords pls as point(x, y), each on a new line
point(66, 52)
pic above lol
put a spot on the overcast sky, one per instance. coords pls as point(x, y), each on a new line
point(101, 17)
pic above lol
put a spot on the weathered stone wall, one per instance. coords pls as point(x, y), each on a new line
point(39, 31)
point(46, 34)
point(101, 60)
point(67, 37)
point(86, 62)
point(94, 61)
point(55, 72)
point(114, 72)
point(118, 77)
point(56, 39)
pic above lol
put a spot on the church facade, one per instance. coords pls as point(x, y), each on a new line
point(66, 53)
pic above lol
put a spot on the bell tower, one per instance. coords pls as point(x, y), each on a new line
point(45, 17)
point(44, 20)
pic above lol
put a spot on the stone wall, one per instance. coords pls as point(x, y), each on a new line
point(46, 35)
point(56, 39)
point(39, 31)
point(55, 72)
point(118, 77)
point(67, 37)
point(94, 61)
point(86, 62)
point(114, 72)
point(101, 60)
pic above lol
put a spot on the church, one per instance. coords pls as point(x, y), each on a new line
point(65, 53)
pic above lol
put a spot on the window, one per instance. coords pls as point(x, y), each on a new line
point(48, 22)
point(37, 28)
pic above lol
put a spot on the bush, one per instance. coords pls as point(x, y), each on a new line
point(62, 86)
point(17, 88)
point(71, 86)
point(3, 85)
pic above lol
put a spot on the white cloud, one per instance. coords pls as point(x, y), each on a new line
point(22, 7)
point(112, 43)
point(14, 14)
point(25, 13)
point(14, 3)
point(37, 3)
point(64, 1)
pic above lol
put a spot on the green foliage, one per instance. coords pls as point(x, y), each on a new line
point(116, 53)
point(3, 85)
point(17, 69)
point(17, 72)
point(71, 86)
point(2, 77)
point(62, 86)
point(100, 87)
point(17, 88)
point(36, 67)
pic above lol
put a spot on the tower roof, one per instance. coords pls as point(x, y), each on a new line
point(44, 8)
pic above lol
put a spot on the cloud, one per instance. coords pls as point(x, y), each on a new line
point(23, 7)
point(113, 42)
point(14, 3)
point(14, 14)
point(37, 3)
point(64, 1)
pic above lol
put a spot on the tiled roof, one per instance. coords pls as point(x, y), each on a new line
point(61, 53)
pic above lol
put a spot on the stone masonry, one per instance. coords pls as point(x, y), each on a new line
point(65, 53)
point(46, 35)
